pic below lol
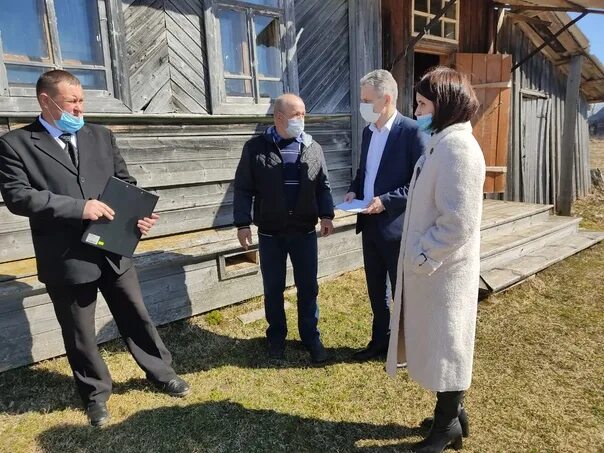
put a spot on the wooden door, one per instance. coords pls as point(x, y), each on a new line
point(491, 78)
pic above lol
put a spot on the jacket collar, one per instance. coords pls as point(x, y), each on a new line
point(48, 145)
point(437, 138)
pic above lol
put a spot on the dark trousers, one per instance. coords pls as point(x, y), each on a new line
point(302, 251)
point(380, 258)
point(75, 309)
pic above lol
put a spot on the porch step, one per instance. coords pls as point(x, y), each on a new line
point(503, 217)
point(508, 273)
point(514, 242)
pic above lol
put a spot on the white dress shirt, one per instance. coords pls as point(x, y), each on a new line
point(56, 133)
point(374, 155)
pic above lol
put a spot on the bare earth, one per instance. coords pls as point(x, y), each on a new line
point(596, 150)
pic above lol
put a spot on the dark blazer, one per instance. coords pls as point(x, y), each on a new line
point(39, 181)
point(403, 148)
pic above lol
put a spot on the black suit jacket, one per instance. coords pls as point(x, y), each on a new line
point(39, 181)
point(404, 146)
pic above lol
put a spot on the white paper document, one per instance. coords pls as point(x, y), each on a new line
point(353, 206)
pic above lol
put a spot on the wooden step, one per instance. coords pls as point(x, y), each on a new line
point(501, 217)
point(509, 273)
point(514, 243)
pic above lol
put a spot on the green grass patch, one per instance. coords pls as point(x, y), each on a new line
point(538, 381)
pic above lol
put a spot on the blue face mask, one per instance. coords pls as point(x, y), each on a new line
point(68, 123)
point(424, 122)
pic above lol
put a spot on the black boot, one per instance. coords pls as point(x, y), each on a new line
point(463, 421)
point(446, 429)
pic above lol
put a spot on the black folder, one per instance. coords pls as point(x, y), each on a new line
point(130, 204)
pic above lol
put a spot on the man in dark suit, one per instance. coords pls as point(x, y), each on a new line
point(52, 171)
point(390, 147)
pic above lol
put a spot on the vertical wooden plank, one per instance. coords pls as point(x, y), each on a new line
point(3, 75)
point(291, 55)
point(503, 130)
point(491, 116)
point(117, 44)
point(479, 75)
point(473, 23)
point(568, 136)
point(365, 49)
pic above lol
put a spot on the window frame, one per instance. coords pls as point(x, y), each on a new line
point(227, 105)
point(115, 98)
point(429, 16)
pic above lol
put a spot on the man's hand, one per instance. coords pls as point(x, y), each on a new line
point(147, 223)
point(375, 207)
point(326, 227)
point(349, 197)
point(245, 237)
point(95, 209)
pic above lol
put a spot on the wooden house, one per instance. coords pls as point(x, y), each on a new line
point(596, 123)
point(184, 83)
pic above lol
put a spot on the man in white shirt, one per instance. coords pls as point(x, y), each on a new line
point(390, 148)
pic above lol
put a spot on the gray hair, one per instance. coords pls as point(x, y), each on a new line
point(383, 82)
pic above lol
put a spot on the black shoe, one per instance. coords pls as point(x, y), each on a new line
point(97, 414)
point(463, 421)
point(276, 351)
point(318, 354)
point(175, 387)
point(371, 351)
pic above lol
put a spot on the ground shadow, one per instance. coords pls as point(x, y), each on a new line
point(225, 426)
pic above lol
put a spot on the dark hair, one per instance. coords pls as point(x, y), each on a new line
point(452, 94)
point(47, 83)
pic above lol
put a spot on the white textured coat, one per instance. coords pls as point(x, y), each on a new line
point(434, 317)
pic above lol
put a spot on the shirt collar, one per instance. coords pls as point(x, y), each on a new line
point(385, 127)
point(277, 138)
point(52, 130)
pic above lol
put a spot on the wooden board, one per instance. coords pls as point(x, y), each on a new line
point(490, 75)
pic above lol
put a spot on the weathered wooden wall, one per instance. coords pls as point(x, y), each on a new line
point(538, 97)
point(167, 56)
point(190, 162)
point(323, 55)
point(191, 166)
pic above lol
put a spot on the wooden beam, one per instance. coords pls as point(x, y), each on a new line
point(545, 43)
point(598, 83)
point(530, 20)
point(567, 150)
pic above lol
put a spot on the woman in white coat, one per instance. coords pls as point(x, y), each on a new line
point(434, 316)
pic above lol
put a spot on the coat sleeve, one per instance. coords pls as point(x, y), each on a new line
point(22, 199)
point(395, 201)
point(244, 190)
point(324, 198)
point(458, 199)
point(119, 165)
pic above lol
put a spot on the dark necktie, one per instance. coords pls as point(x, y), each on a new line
point(73, 152)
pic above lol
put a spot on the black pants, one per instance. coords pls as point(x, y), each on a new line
point(380, 258)
point(75, 309)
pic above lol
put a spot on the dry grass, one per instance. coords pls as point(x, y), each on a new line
point(596, 152)
point(538, 381)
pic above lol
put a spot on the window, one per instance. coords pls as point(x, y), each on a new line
point(39, 35)
point(247, 40)
point(445, 29)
